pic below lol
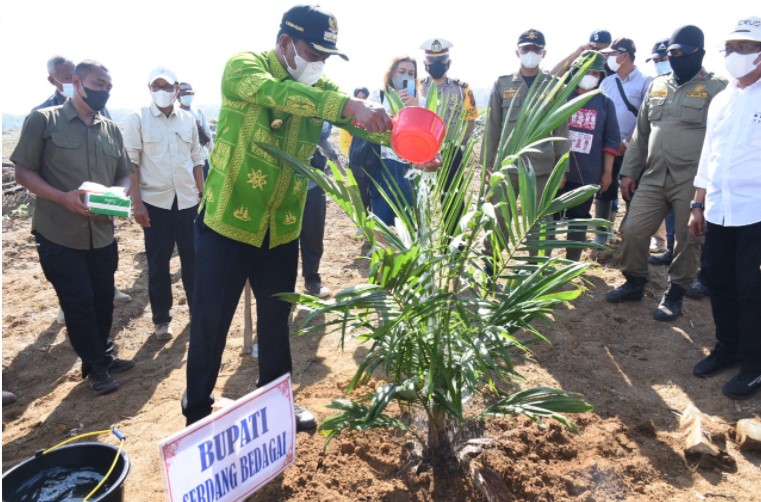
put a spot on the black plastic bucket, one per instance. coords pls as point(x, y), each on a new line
point(68, 473)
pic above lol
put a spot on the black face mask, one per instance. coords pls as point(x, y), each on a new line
point(95, 99)
point(437, 70)
point(686, 67)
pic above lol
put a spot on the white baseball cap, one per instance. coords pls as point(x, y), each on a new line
point(162, 72)
point(748, 28)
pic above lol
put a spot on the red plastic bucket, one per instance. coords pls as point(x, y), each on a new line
point(417, 135)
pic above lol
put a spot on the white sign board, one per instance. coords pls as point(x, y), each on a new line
point(234, 452)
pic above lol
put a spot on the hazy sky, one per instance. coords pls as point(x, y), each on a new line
point(195, 39)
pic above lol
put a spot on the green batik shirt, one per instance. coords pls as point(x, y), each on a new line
point(248, 191)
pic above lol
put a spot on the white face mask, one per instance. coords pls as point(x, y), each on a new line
point(531, 59)
point(589, 82)
point(306, 72)
point(186, 100)
point(739, 65)
point(662, 67)
point(162, 99)
point(68, 90)
point(612, 63)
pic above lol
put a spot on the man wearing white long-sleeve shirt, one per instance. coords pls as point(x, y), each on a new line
point(727, 209)
point(162, 143)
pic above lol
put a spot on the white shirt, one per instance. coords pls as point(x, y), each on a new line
point(730, 163)
point(201, 119)
point(165, 149)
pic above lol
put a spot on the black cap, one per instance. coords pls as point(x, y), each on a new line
point(687, 39)
point(531, 37)
point(314, 26)
point(185, 87)
point(659, 49)
point(600, 37)
point(621, 45)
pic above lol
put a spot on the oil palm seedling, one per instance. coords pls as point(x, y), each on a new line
point(445, 321)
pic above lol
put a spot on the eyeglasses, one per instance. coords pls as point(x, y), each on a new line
point(741, 48)
point(167, 88)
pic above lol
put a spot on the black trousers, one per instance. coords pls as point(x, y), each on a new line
point(84, 283)
point(223, 266)
point(312, 234)
point(612, 192)
point(168, 227)
point(732, 271)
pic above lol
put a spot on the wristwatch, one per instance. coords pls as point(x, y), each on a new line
point(697, 205)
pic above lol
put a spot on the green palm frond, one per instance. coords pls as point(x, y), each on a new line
point(444, 321)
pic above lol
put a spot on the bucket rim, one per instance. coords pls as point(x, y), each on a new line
point(118, 480)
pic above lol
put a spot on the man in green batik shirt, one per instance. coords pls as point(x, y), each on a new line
point(251, 212)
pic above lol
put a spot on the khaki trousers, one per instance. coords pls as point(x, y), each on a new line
point(648, 208)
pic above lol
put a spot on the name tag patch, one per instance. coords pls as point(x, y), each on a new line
point(581, 142)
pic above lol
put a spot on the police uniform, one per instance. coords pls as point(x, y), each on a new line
point(455, 99)
point(663, 155)
point(457, 95)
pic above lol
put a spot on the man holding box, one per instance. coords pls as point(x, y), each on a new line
point(162, 143)
point(59, 149)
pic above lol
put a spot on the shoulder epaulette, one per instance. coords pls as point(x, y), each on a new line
point(460, 82)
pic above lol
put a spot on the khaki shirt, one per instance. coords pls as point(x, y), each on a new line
point(455, 97)
point(671, 126)
point(166, 149)
point(512, 89)
point(65, 152)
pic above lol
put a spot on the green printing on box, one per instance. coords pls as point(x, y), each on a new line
point(110, 205)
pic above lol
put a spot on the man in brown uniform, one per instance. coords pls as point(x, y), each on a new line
point(513, 90)
point(59, 149)
point(660, 164)
point(507, 98)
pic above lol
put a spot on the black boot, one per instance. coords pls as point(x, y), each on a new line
point(575, 253)
point(697, 291)
point(671, 304)
point(661, 259)
point(631, 291)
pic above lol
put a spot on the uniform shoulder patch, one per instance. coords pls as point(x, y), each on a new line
point(460, 82)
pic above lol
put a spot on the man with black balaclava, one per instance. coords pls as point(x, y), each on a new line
point(659, 168)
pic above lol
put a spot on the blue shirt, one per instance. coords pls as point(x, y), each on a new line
point(635, 86)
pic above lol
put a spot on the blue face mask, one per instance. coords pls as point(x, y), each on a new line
point(662, 67)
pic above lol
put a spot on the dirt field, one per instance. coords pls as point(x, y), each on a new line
point(634, 370)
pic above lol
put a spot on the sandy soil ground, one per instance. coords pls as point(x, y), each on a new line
point(636, 372)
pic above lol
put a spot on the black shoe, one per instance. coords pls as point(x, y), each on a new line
point(697, 291)
point(120, 365)
point(671, 304)
point(714, 362)
point(101, 382)
point(305, 421)
point(661, 259)
point(631, 291)
point(743, 385)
